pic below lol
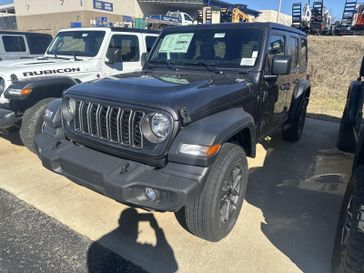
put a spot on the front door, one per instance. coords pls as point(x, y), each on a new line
point(274, 93)
point(128, 44)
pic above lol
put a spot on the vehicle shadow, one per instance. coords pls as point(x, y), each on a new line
point(12, 135)
point(124, 241)
point(301, 206)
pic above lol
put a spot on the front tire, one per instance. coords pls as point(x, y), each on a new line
point(292, 130)
point(213, 214)
point(32, 123)
point(348, 255)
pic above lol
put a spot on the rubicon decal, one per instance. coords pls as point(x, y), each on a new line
point(51, 72)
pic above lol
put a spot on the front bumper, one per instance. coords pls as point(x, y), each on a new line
point(7, 118)
point(119, 179)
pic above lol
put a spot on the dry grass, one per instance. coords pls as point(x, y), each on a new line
point(334, 62)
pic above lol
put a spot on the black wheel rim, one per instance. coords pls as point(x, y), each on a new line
point(348, 223)
point(231, 194)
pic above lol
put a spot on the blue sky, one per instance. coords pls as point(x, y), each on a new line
point(335, 6)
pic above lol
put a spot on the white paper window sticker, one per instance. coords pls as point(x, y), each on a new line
point(255, 54)
point(176, 43)
point(219, 35)
point(84, 35)
point(248, 61)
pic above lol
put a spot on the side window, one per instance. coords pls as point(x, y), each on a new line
point(277, 46)
point(293, 51)
point(149, 41)
point(187, 18)
point(38, 44)
point(303, 52)
point(129, 46)
point(14, 44)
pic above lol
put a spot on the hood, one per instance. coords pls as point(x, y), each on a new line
point(27, 68)
point(200, 94)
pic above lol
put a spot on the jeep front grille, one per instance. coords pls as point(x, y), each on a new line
point(117, 125)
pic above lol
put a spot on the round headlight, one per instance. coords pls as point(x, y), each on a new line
point(160, 125)
point(69, 109)
point(156, 127)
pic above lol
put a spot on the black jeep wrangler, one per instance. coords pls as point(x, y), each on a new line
point(351, 121)
point(175, 136)
point(348, 254)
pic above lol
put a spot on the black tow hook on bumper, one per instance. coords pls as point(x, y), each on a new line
point(129, 182)
point(7, 118)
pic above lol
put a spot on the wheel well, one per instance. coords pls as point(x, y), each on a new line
point(244, 140)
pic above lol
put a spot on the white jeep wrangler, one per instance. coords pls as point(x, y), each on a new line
point(74, 56)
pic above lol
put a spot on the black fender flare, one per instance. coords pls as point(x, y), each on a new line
point(42, 88)
point(215, 129)
point(300, 93)
point(354, 103)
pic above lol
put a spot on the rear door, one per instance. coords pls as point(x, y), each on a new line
point(14, 47)
point(295, 75)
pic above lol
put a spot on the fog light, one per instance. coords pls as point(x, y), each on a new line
point(151, 194)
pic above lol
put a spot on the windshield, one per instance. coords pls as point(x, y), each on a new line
point(225, 48)
point(77, 43)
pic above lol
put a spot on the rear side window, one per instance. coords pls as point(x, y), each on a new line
point(294, 51)
point(14, 43)
point(38, 44)
point(129, 46)
point(149, 41)
point(303, 52)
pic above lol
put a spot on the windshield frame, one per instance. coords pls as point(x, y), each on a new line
point(188, 64)
point(75, 53)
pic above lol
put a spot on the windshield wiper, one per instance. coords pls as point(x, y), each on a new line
point(210, 67)
point(75, 56)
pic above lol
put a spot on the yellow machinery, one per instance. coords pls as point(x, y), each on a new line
point(211, 16)
point(239, 16)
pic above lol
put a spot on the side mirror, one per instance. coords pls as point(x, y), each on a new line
point(144, 58)
point(362, 68)
point(114, 56)
point(281, 65)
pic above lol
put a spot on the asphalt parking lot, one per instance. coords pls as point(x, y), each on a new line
point(287, 223)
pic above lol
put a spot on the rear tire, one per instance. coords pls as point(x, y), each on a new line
point(213, 214)
point(348, 255)
point(292, 130)
point(32, 123)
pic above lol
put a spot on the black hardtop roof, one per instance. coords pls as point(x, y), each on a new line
point(23, 33)
point(265, 26)
point(138, 30)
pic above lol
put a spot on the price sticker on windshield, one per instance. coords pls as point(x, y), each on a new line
point(176, 43)
point(248, 61)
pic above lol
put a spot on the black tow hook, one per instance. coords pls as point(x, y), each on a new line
point(124, 168)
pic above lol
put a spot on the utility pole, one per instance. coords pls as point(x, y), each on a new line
point(279, 10)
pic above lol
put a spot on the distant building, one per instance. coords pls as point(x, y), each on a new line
point(7, 17)
point(271, 16)
point(51, 15)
